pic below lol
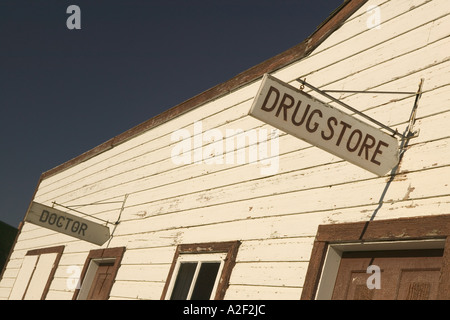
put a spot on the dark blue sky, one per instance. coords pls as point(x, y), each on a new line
point(63, 92)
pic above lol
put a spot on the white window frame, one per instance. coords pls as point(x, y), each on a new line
point(200, 258)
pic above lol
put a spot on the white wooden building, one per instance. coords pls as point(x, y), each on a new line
point(190, 219)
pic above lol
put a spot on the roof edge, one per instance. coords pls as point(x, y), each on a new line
point(303, 49)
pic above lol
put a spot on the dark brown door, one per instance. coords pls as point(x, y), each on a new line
point(102, 283)
point(404, 275)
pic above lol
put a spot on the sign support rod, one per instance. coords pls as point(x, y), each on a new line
point(373, 92)
point(54, 202)
point(118, 219)
point(412, 118)
point(394, 132)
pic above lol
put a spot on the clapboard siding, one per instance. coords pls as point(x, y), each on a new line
point(405, 21)
point(275, 217)
point(114, 182)
point(364, 59)
point(59, 295)
point(277, 274)
point(352, 26)
point(243, 292)
point(423, 148)
point(443, 120)
point(137, 290)
point(194, 165)
point(163, 132)
point(144, 162)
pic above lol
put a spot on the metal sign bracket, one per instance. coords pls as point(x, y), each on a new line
point(409, 133)
point(93, 204)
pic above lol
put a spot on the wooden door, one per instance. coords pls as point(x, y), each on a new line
point(404, 275)
point(102, 283)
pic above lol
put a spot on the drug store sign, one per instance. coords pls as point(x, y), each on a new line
point(299, 114)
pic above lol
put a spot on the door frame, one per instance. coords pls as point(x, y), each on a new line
point(409, 233)
point(94, 257)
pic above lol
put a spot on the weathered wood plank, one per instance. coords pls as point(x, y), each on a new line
point(143, 272)
point(295, 249)
point(149, 255)
point(59, 295)
point(61, 285)
point(280, 274)
point(246, 292)
point(137, 290)
point(424, 183)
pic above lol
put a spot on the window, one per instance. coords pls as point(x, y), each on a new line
point(99, 273)
point(200, 271)
point(197, 276)
point(36, 273)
